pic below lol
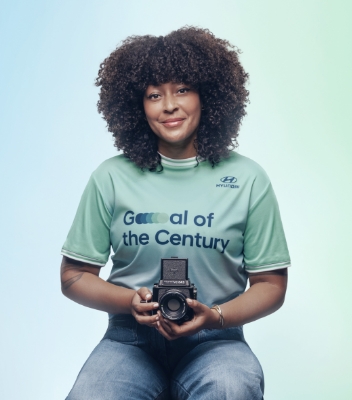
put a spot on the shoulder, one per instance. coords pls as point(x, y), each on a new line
point(113, 167)
point(105, 176)
point(108, 178)
point(245, 167)
point(112, 164)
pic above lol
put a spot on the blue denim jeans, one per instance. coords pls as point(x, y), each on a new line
point(133, 361)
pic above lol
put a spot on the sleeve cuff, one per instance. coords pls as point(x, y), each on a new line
point(80, 257)
point(267, 267)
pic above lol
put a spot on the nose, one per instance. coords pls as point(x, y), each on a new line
point(170, 104)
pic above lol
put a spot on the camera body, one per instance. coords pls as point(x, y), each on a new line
point(173, 289)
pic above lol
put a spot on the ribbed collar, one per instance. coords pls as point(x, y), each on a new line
point(178, 164)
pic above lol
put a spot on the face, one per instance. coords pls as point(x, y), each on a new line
point(173, 112)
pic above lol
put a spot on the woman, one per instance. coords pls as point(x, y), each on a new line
point(174, 105)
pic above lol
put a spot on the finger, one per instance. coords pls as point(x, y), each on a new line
point(141, 308)
point(166, 327)
point(164, 323)
point(172, 328)
point(196, 305)
point(145, 293)
point(163, 332)
point(150, 320)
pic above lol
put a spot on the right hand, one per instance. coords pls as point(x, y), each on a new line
point(142, 311)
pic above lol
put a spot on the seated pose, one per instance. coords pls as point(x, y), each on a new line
point(181, 210)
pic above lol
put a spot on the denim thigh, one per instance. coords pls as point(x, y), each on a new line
point(134, 361)
point(119, 369)
point(222, 366)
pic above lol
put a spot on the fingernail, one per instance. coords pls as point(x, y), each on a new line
point(189, 301)
point(148, 296)
point(158, 323)
point(156, 305)
point(157, 318)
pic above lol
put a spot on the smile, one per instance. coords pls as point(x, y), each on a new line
point(173, 122)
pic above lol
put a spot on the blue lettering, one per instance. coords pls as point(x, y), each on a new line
point(198, 237)
point(224, 245)
point(210, 217)
point(216, 242)
point(131, 219)
point(144, 239)
point(210, 244)
point(190, 237)
point(157, 236)
point(197, 217)
point(175, 239)
point(185, 219)
point(132, 236)
point(179, 219)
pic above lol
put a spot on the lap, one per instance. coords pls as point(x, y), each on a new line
point(136, 362)
point(225, 369)
point(118, 371)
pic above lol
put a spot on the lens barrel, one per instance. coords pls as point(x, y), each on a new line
point(173, 304)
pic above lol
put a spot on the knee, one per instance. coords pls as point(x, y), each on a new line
point(219, 370)
point(219, 382)
point(239, 385)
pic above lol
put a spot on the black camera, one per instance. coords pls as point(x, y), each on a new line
point(173, 289)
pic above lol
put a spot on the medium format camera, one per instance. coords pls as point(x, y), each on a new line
point(173, 289)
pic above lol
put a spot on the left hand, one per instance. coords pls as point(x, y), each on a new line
point(204, 318)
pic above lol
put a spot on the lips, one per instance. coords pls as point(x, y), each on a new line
point(172, 122)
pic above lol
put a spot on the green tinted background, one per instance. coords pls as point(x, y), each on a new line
point(298, 55)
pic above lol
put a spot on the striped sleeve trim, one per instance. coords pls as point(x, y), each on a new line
point(79, 257)
point(268, 267)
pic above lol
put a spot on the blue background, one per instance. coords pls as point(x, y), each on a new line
point(298, 55)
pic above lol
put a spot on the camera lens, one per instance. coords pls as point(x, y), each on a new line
point(173, 304)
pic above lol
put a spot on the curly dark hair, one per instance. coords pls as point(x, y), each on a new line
point(189, 55)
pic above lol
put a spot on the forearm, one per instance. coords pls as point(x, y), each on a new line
point(91, 291)
point(260, 300)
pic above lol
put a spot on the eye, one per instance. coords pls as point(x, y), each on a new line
point(153, 96)
point(184, 90)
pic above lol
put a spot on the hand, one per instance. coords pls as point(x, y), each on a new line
point(142, 311)
point(204, 318)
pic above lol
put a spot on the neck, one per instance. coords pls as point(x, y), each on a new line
point(177, 152)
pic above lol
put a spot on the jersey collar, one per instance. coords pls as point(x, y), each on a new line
point(178, 164)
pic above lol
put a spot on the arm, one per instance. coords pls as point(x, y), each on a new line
point(80, 282)
point(265, 295)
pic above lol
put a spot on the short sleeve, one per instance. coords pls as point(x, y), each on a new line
point(265, 245)
point(89, 237)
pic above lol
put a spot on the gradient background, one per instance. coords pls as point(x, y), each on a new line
point(298, 55)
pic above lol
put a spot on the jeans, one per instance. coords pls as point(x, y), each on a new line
point(134, 361)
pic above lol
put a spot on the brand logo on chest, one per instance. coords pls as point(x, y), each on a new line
point(228, 182)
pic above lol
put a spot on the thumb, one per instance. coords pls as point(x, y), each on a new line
point(194, 304)
point(144, 293)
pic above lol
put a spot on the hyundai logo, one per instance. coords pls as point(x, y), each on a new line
point(228, 179)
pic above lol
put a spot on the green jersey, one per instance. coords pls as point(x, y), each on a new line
point(225, 220)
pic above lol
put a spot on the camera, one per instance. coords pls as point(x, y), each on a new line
point(173, 289)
